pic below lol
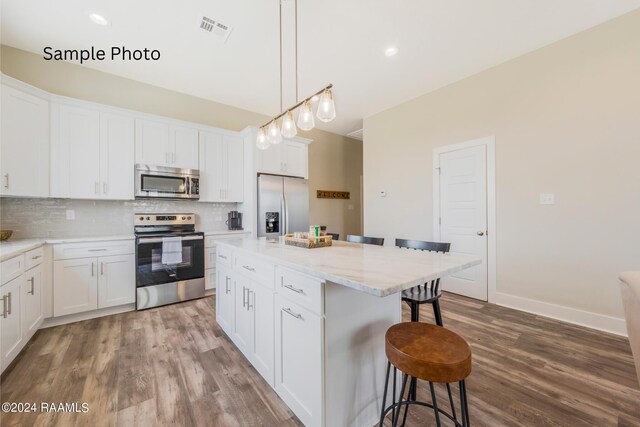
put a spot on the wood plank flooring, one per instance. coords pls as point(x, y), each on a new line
point(174, 366)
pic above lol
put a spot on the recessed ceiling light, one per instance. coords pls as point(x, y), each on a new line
point(391, 51)
point(98, 19)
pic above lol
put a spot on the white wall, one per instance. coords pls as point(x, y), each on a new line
point(566, 119)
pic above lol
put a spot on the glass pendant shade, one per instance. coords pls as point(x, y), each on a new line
point(305, 117)
point(289, 126)
point(261, 140)
point(273, 133)
point(326, 107)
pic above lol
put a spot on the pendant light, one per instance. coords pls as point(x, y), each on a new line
point(261, 141)
point(326, 107)
point(289, 126)
point(273, 133)
point(305, 117)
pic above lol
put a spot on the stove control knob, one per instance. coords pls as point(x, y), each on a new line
point(184, 217)
point(141, 218)
point(148, 218)
point(188, 217)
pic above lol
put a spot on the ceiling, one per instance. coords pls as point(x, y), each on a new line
point(340, 42)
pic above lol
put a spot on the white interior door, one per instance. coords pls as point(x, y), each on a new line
point(463, 216)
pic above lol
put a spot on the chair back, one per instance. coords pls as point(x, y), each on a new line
point(334, 236)
point(366, 240)
point(424, 246)
point(630, 289)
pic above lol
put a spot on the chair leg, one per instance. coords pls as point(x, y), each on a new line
point(384, 396)
point(464, 404)
point(437, 313)
point(435, 404)
point(453, 407)
point(415, 312)
point(396, 417)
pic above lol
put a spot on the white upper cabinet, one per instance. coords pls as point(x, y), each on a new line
point(289, 158)
point(221, 168)
point(92, 154)
point(24, 144)
point(161, 144)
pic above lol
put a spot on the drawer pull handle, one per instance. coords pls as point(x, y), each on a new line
point(297, 290)
point(251, 269)
point(222, 256)
point(36, 257)
point(32, 281)
point(97, 250)
point(288, 310)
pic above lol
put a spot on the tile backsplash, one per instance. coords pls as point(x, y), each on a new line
point(48, 217)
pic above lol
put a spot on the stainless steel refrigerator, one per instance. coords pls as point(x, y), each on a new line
point(283, 205)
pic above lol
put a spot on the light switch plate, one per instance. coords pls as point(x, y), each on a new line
point(547, 199)
point(71, 214)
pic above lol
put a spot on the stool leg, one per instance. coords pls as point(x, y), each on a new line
point(435, 404)
point(453, 407)
point(396, 417)
point(393, 402)
point(406, 408)
point(437, 313)
point(464, 405)
point(384, 396)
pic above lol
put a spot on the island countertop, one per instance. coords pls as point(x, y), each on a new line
point(376, 270)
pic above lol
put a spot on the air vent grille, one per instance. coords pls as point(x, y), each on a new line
point(357, 134)
point(216, 28)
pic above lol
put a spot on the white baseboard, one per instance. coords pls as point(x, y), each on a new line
point(63, 320)
point(601, 322)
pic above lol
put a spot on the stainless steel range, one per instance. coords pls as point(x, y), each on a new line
point(169, 259)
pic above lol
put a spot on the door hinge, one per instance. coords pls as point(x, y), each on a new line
point(439, 171)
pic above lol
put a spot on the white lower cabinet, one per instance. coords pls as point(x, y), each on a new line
point(11, 324)
point(75, 286)
point(224, 299)
point(243, 317)
point(116, 281)
point(32, 309)
point(299, 370)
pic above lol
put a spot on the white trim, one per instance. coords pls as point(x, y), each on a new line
point(490, 143)
point(600, 322)
point(71, 318)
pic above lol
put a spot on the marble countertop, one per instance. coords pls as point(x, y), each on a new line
point(376, 270)
point(224, 232)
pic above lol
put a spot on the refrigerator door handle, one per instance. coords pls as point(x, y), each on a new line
point(286, 214)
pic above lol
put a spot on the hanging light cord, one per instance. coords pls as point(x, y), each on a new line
point(281, 54)
point(296, 37)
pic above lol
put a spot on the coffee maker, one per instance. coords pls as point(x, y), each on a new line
point(235, 220)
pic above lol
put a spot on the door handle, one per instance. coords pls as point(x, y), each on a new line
point(226, 285)
point(6, 181)
point(480, 233)
point(104, 187)
point(102, 268)
point(249, 306)
point(96, 187)
point(251, 269)
point(4, 306)
point(9, 304)
point(92, 270)
point(290, 312)
point(32, 280)
point(297, 290)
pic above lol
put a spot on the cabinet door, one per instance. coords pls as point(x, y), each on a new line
point(295, 158)
point(211, 170)
point(234, 169)
point(11, 327)
point(225, 299)
point(116, 156)
point(152, 143)
point(24, 143)
point(299, 368)
point(270, 160)
point(80, 139)
point(183, 143)
point(243, 327)
point(32, 314)
point(261, 304)
point(75, 286)
point(116, 280)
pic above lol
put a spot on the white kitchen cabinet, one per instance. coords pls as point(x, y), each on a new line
point(299, 370)
point(225, 299)
point(75, 286)
point(243, 316)
point(159, 143)
point(262, 343)
point(152, 143)
point(11, 326)
point(116, 156)
point(116, 280)
point(221, 168)
point(289, 158)
point(93, 154)
point(32, 309)
point(24, 129)
point(183, 143)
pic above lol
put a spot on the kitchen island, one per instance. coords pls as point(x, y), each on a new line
point(312, 321)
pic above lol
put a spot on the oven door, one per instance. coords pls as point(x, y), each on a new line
point(154, 268)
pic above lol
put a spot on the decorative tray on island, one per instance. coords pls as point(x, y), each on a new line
point(312, 242)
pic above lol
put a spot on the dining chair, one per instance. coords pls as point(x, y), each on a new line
point(428, 293)
point(366, 240)
point(334, 236)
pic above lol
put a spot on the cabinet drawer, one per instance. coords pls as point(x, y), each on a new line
point(12, 268)
point(33, 257)
point(301, 289)
point(93, 249)
point(223, 255)
point(254, 268)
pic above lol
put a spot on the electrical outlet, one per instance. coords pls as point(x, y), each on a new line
point(71, 214)
point(350, 207)
point(547, 199)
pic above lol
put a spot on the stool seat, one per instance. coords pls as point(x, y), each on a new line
point(429, 352)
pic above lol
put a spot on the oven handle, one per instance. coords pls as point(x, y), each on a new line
point(159, 239)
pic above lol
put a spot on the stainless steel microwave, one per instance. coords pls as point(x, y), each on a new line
point(165, 182)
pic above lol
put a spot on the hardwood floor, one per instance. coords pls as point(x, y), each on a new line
point(174, 366)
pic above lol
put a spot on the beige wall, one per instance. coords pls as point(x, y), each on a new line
point(343, 155)
point(566, 119)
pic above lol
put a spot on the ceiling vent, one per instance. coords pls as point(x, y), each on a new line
point(357, 134)
point(216, 28)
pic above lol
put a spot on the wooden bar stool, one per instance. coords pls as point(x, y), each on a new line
point(430, 353)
